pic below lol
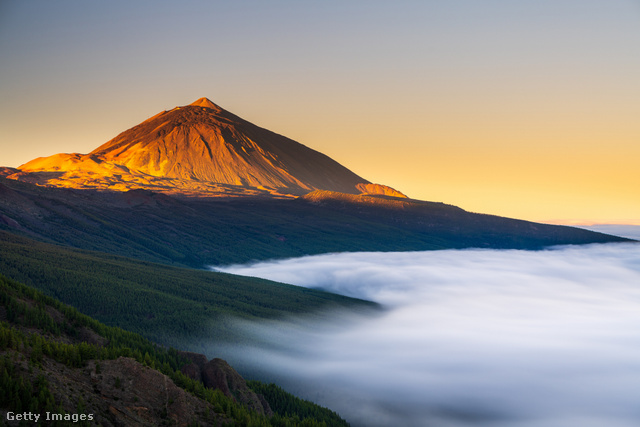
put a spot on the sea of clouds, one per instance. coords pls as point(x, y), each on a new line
point(467, 337)
point(628, 231)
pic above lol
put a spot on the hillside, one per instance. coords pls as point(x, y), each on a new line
point(65, 368)
point(184, 308)
point(197, 185)
point(196, 232)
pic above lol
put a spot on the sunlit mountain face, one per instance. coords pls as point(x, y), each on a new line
point(203, 158)
point(199, 149)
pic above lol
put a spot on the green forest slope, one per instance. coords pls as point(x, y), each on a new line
point(55, 360)
point(173, 306)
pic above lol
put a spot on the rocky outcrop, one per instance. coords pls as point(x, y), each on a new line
point(139, 395)
point(218, 374)
point(118, 393)
point(194, 369)
point(6, 171)
point(320, 197)
point(379, 190)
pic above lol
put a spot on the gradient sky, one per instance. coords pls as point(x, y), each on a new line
point(527, 109)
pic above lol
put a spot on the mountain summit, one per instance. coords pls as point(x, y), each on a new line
point(205, 102)
point(199, 149)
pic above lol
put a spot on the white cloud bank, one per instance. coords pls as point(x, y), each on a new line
point(470, 338)
point(629, 231)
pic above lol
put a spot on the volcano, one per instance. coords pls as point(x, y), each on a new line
point(200, 149)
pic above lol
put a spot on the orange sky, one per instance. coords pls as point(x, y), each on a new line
point(522, 109)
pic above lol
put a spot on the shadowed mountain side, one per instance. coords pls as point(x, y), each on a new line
point(196, 149)
point(199, 232)
point(179, 307)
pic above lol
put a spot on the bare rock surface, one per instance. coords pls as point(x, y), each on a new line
point(199, 150)
point(218, 374)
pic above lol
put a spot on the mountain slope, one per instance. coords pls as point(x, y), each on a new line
point(199, 232)
point(54, 360)
point(179, 307)
point(204, 150)
point(198, 149)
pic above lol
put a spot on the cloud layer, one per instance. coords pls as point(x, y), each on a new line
point(629, 231)
point(469, 338)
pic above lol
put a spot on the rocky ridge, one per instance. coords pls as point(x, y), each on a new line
point(218, 374)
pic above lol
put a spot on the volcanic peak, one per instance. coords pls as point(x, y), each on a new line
point(206, 103)
point(198, 149)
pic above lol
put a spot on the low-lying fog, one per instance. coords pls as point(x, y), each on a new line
point(469, 337)
point(629, 231)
